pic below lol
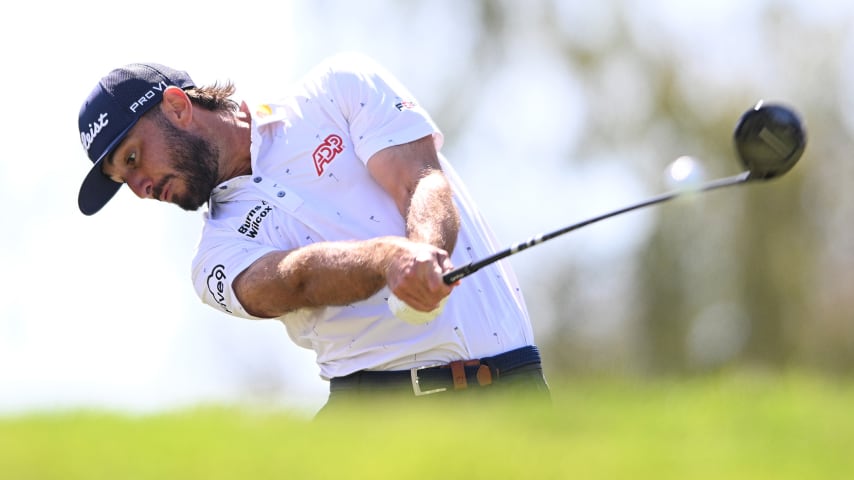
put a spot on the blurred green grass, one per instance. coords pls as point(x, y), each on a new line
point(733, 427)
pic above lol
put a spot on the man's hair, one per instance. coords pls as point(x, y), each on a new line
point(214, 97)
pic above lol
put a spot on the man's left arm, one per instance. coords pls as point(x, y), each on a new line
point(411, 174)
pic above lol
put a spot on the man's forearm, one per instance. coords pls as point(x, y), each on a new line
point(432, 216)
point(326, 273)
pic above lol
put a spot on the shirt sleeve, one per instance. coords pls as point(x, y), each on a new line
point(219, 258)
point(380, 110)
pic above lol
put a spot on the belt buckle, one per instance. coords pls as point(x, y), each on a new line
point(416, 387)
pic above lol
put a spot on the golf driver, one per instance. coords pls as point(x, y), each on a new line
point(769, 140)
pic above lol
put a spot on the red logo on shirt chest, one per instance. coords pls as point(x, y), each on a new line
point(326, 152)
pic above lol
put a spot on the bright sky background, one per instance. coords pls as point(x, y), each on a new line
point(100, 310)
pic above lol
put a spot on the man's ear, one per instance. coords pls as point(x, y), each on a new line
point(176, 106)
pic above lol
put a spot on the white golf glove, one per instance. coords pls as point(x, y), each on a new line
point(410, 315)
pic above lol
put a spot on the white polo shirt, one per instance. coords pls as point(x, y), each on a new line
point(310, 184)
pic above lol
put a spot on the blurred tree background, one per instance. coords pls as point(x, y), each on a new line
point(753, 277)
point(757, 276)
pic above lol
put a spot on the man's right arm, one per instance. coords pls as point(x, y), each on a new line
point(321, 274)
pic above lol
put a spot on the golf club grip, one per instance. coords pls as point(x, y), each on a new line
point(472, 267)
point(466, 270)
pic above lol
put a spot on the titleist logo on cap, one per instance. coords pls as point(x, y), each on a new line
point(94, 129)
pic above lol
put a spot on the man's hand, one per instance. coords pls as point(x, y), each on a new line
point(416, 277)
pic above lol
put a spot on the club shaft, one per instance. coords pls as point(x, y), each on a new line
point(468, 269)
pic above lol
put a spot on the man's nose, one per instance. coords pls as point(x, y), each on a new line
point(141, 185)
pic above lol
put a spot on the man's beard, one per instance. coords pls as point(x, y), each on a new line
point(195, 163)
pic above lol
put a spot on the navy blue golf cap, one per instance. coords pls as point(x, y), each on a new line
point(112, 109)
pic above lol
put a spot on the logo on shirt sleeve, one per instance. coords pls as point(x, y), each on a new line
point(407, 104)
point(217, 286)
point(326, 152)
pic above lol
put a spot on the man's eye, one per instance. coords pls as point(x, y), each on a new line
point(131, 159)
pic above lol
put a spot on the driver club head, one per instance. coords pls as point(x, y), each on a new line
point(769, 140)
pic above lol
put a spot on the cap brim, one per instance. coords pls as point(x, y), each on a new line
point(97, 189)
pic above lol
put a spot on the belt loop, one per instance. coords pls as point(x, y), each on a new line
point(484, 375)
point(458, 373)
